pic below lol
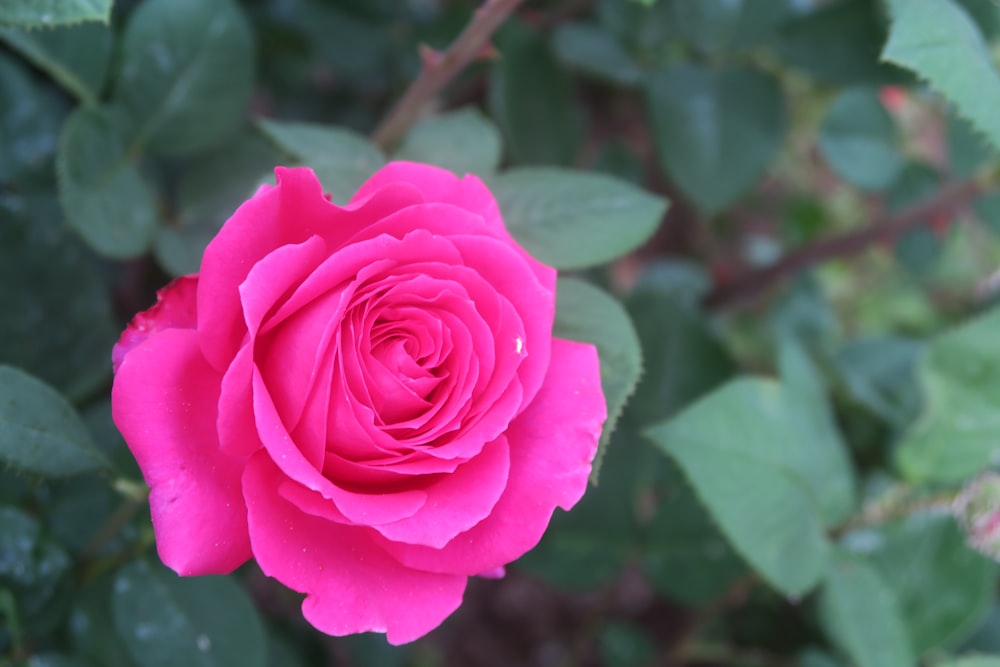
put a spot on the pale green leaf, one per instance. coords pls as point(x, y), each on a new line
point(959, 432)
point(574, 219)
point(103, 195)
point(941, 43)
point(47, 13)
point(463, 141)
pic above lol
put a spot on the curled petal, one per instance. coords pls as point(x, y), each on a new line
point(175, 308)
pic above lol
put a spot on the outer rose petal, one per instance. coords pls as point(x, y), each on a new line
point(175, 307)
point(164, 403)
point(551, 446)
point(352, 585)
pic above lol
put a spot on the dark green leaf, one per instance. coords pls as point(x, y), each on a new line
point(959, 433)
point(574, 219)
point(463, 141)
point(879, 373)
point(942, 44)
point(40, 432)
point(47, 13)
point(76, 56)
point(29, 128)
point(988, 209)
point(533, 101)
point(34, 569)
point(683, 360)
point(103, 195)
point(716, 25)
point(624, 645)
point(594, 51)
point(63, 336)
point(208, 193)
point(860, 614)
point(839, 42)
point(585, 313)
point(858, 139)
point(715, 130)
point(56, 660)
point(942, 588)
point(342, 159)
point(91, 628)
point(165, 620)
point(769, 472)
point(187, 73)
point(685, 555)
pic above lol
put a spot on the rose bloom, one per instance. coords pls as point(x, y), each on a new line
point(367, 399)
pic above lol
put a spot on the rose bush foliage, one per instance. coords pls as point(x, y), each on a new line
point(366, 399)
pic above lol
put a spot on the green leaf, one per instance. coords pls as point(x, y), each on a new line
point(715, 129)
point(959, 434)
point(684, 554)
point(62, 336)
point(592, 50)
point(50, 659)
point(575, 219)
point(186, 74)
point(879, 374)
point(839, 42)
point(858, 139)
point(463, 141)
point(624, 645)
point(28, 128)
point(104, 197)
point(342, 159)
point(942, 44)
point(972, 661)
point(533, 100)
point(859, 613)
point(943, 589)
point(40, 433)
point(769, 473)
point(585, 313)
point(967, 149)
point(165, 620)
point(48, 13)
point(208, 192)
point(683, 359)
point(76, 57)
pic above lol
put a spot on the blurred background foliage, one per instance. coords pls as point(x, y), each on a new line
point(806, 333)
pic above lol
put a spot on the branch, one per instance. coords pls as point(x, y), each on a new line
point(439, 69)
point(753, 283)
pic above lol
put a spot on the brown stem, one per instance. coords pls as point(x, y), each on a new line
point(753, 283)
point(440, 69)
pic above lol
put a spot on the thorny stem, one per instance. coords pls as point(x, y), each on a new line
point(439, 69)
point(753, 283)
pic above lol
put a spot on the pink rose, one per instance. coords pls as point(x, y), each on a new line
point(366, 399)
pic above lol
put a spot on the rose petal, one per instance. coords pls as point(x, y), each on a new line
point(457, 501)
point(164, 403)
point(376, 507)
point(175, 308)
point(351, 585)
point(552, 444)
point(289, 213)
